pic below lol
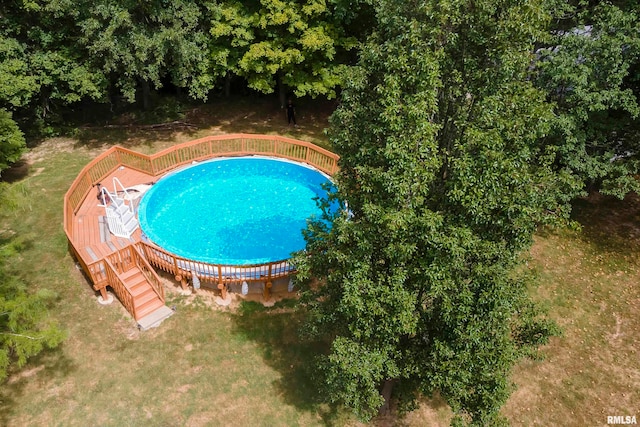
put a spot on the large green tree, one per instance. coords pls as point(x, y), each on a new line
point(142, 45)
point(416, 286)
point(12, 143)
point(41, 62)
point(285, 45)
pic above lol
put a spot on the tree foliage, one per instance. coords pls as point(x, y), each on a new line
point(273, 43)
point(24, 326)
point(12, 143)
point(591, 71)
point(41, 62)
point(446, 177)
point(143, 43)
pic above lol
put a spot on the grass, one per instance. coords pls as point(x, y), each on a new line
point(590, 280)
point(243, 366)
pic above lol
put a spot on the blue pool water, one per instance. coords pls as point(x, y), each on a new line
point(234, 211)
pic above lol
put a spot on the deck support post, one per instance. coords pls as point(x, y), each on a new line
point(103, 293)
point(221, 284)
point(182, 281)
point(267, 290)
point(223, 290)
point(267, 285)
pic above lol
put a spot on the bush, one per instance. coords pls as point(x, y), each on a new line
point(12, 143)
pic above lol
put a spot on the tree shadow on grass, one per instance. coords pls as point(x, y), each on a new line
point(246, 114)
point(17, 172)
point(130, 136)
point(276, 330)
point(608, 223)
point(43, 367)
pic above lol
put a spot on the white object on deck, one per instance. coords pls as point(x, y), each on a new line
point(121, 218)
point(136, 191)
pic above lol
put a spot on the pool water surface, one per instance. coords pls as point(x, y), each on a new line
point(233, 211)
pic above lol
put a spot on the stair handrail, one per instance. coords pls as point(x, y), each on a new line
point(105, 192)
point(117, 284)
point(149, 273)
point(116, 183)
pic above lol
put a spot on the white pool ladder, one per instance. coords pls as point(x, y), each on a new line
point(121, 217)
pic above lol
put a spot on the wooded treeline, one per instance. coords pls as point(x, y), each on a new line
point(57, 54)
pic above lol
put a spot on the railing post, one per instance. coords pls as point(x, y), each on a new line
point(103, 293)
point(221, 285)
point(118, 159)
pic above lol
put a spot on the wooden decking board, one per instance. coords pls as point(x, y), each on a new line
point(104, 233)
point(92, 254)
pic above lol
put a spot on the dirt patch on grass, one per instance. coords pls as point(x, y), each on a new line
point(209, 298)
point(27, 373)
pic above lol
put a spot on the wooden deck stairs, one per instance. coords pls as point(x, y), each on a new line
point(145, 299)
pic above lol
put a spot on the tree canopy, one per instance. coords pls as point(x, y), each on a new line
point(141, 44)
point(276, 44)
point(446, 176)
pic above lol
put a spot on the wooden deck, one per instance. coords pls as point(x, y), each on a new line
point(91, 237)
point(107, 260)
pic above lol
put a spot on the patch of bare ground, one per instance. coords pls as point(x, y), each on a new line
point(27, 373)
point(208, 297)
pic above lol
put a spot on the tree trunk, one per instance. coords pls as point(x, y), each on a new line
point(387, 388)
point(146, 94)
point(282, 90)
point(227, 85)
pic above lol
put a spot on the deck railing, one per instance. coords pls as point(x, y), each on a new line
point(213, 273)
point(119, 287)
point(148, 272)
point(169, 159)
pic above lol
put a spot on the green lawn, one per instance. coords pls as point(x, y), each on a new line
point(243, 365)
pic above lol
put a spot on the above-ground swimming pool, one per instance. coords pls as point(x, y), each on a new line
point(233, 211)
